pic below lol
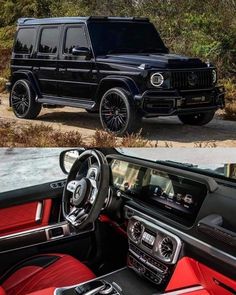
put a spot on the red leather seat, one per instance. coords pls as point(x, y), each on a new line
point(44, 271)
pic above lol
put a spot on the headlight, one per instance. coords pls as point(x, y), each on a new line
point(157, 79)
point(214, 76)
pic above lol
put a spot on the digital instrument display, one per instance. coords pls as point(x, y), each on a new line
point(172, 193)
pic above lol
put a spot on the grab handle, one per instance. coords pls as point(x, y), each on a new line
point(212, 225)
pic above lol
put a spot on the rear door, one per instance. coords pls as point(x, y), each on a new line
point(46, 59)
point(77, 74)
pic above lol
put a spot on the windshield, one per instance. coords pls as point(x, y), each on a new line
point(215, 162)
point(125, 37)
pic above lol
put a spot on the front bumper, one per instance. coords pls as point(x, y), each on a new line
point(174, 102)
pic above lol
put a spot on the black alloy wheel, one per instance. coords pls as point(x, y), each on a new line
point(117, 112)
point(23, 100)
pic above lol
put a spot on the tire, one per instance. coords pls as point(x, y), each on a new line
point(23, 102)
point(199, 119)
point(118, 113)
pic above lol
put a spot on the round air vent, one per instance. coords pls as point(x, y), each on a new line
point(166, 248)
point(136, 231)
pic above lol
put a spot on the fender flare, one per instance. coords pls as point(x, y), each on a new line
point(29, 76)
point(127, 82)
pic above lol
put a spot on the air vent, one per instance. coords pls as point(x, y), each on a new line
point(166, 248)
point(56, 185)
point(136, 231)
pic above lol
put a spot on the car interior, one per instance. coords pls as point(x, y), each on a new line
point(119, 224)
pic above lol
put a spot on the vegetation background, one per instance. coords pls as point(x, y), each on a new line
point(202, 28)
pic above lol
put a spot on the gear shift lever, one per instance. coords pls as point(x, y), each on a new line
point(106, 290)
point(91, 288)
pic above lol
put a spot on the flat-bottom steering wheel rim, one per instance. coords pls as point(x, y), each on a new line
point(101, 193)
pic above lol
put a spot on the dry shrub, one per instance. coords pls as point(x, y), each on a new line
point(209, 144)
point(103, 139)
point(134, 140)
point(37, 136)
point(41, 135)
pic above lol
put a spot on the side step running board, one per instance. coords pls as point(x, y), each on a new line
point(77, 103)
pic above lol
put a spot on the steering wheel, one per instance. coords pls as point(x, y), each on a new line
point(84, 198)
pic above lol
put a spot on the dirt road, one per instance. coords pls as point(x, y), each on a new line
point(161, 131)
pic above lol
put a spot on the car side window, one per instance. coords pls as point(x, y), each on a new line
point(74, 37)
point(25, 40)
point(49, 40)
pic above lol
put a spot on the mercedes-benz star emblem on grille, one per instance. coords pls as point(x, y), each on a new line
point(192, 79)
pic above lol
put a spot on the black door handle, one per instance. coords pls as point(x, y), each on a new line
point(212, 225)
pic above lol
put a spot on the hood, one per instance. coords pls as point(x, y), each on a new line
point(154, 60)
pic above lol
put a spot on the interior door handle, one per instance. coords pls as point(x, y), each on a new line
point(213, 226)
point(39, 212)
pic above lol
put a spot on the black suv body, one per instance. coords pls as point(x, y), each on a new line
point(117, 66)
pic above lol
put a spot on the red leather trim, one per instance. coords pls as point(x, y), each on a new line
point(210, 276)
point(21, 275)
point(64, 272)
point(48, 291)
point(200, 292)
point(22, 217)
point(186, 274)
point(2, 292)
point(189, 272)
point(106, 219)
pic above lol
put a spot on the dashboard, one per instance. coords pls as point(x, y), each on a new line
point(168, 213)
point(178, 196)
point(166, 207)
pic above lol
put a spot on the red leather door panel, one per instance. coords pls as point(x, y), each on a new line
point(190, 272)
point(23, 217)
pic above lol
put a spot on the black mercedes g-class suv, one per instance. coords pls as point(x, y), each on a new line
point(117, 66)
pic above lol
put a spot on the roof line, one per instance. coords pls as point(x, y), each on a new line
point(61, 20)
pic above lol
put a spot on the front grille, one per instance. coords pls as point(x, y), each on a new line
point(194, 79)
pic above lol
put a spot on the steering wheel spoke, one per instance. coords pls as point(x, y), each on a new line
point(72, 185)
point(76, 216)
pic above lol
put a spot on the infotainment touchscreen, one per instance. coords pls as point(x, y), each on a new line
point(173, 193)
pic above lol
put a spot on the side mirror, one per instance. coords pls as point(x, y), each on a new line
point(67, 159)
point(81, 51)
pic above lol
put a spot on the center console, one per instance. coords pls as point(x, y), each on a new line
point(153, 251)
point(152, 255)
point(121, 282)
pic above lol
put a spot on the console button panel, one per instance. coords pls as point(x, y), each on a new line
point(153, 251)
